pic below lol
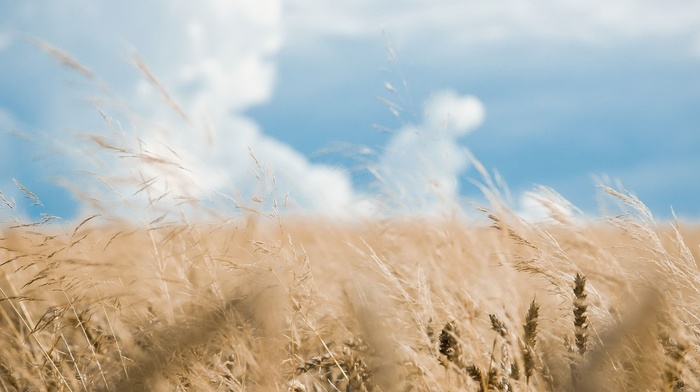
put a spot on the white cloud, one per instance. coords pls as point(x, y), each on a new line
point(544, 205)
point(531, 209)
point(421, 164)
point(219, 57)
point(452, 114)
point(217, 63)
point(218, 81)
point(246, 163)
point(454, 23)
point(215, 59)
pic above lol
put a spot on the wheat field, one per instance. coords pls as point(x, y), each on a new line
point(266, 303)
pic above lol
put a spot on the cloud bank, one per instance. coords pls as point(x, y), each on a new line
point(180, 119)
point(454, 23)
point(203, 64)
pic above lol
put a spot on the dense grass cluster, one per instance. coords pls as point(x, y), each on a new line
point(399, 304)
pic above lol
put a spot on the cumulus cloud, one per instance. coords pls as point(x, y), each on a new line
point(203, 64)
point(452, 114)
point(218, 82)
point(249, 165)
point(422, 163)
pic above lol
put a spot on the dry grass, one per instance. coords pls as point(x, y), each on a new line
point(381, 306)
point(266, 303)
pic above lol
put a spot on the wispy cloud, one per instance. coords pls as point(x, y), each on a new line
point(451, 24)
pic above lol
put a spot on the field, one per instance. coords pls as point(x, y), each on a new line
point(268, 303)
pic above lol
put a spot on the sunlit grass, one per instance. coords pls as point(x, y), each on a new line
point(176, 295)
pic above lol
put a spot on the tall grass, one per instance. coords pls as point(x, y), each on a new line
point(272, 303)
point(396, 304)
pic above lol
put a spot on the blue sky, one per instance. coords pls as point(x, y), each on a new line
point(547, 93)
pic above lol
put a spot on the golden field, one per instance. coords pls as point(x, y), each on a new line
point(273, 302)
point(265, 303)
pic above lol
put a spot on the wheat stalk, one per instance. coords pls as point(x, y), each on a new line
point(530, 339)
point(449, 345)
point(580, 317)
